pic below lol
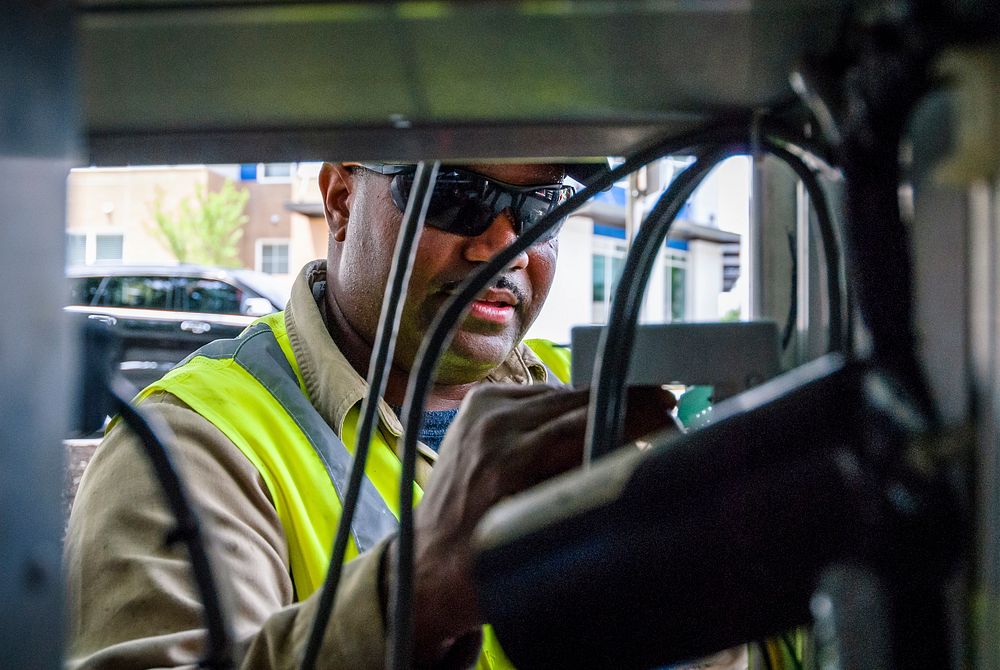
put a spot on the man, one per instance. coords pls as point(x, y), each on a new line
point(250, 417)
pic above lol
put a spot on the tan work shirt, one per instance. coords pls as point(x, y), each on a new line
point(132, 601)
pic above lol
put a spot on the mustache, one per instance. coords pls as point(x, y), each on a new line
point(503, 282)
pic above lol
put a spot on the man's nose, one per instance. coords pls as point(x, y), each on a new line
point(500, 235)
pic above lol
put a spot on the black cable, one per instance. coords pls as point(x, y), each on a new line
point(828, 236)
point(606, 413)
point(793, 302)
point(378, 374)
point(867, 89)
point(882, 89)
point(400, 649)
point(218, 647)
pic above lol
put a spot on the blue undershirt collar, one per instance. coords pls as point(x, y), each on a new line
point(435, 426)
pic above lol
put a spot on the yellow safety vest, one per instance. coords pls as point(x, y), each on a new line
point(252, 390)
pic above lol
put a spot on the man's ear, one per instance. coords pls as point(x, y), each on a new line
point(336, 184)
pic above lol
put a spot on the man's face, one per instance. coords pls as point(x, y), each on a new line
point(360, 257)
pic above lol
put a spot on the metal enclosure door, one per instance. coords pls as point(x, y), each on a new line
point(37, 374)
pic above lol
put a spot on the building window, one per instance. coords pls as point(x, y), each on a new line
point(91, 248)
point(108, 248)
point(275, 172)
point(266, 172)
point(608, 262)
point(272, 256)
point(730, 265)
point(676, 278)
point(76, 249)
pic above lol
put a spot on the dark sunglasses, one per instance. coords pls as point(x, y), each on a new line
point(466, 203)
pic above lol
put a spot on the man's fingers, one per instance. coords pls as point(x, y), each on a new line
point(556, 426)
point(519, 407)
point(648, 410)
point(494, 392)
point(554, 447)
point(542, 408)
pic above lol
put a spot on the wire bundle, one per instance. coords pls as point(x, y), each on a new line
point(378, 374)
point(711, 145)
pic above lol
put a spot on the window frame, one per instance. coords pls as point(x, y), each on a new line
point(258, 173)
point(675, 260)
point(611, 249)
point(90, 238)
point(259, 245)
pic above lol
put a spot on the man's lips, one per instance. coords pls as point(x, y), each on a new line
point(494, 312)
point(499, 296)
point(495, 305)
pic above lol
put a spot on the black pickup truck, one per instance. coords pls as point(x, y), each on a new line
point(163, 313)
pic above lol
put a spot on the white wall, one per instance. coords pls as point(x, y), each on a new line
point(569, 301)
point(704, 280)
point(724, 197)
point(120, 201)
point(729, 200)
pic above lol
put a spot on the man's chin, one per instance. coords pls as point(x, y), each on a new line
point(473, 355)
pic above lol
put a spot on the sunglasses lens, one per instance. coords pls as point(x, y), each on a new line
point(465, 203)
point(539, 203)
point(470, 219)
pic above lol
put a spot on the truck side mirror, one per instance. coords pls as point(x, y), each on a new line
point(257, 307)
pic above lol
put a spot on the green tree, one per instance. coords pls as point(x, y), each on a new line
point(205, 228)
point(731, 315)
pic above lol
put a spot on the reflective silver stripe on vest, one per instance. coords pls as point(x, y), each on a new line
point(258, 352)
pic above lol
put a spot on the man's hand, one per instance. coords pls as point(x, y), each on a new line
point(505, 439)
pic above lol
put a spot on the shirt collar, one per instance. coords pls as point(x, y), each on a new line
point(333, 386)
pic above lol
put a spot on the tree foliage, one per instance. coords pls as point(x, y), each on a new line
point(205, 228)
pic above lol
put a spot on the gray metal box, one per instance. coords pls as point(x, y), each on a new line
point(730, 356)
